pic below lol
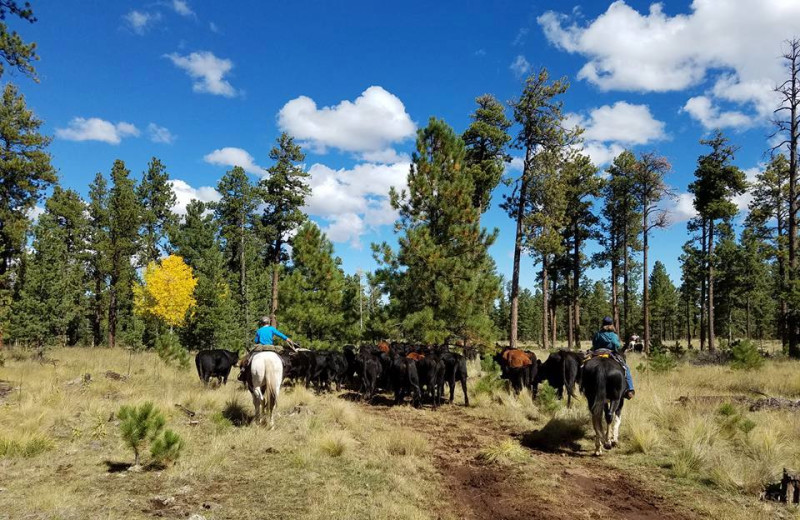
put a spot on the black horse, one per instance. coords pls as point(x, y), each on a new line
point(603, 383)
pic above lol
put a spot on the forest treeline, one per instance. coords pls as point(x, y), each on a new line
point(71, 275)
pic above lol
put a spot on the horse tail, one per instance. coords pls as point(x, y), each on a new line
point(274, 377)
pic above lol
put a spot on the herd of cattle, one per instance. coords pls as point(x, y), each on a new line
point(417, 372)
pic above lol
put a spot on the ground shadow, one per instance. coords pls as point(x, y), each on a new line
point(557, 436)
point(236, 414)
point(117, 467)
point(377, 399)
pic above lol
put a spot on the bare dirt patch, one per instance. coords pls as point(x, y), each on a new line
point(554, 486)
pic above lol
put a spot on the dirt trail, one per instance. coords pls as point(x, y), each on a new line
point(554, 486)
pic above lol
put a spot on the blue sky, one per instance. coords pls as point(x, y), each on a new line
point(204, 85)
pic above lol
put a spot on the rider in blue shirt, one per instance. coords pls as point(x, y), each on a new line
point(607, 338)
point(264, 341)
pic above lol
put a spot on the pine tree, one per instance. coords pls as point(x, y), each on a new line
point(442, 280)
point(13, 50)
point(98, 249)
point(649, 189)
point(620, 235)
point(156, 199)
point(314, 287)
point(51, 302)
point(542, 137)
point(26, 174)
point(486, 140)
point(663, 301)
point(235, 213)
point(213, 324)
point(284, 191)
point(124, 220)
point(717, 181)
point(582, 185)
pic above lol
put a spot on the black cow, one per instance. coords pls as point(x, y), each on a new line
point(430, 370)
point(603, 383)
point(455, 369)
point(302, 365)
point(561, 370)
point(371, 369)
point(405, 380)
point(215, 363)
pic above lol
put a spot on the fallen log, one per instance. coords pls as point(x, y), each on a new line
point(714, 399)
point(774, 403)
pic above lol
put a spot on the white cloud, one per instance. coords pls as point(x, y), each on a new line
point(368, 125)
point(520, 66)
point(682, 208)
point(701, 109)
point(182, 8)
point(610, 128)
point(522, 35)
point(735, 43)
point(96, 129)
point(621, 122)
point(231, 156)
point(184, 194)
point(517, 164)
point(35, 212)
point(356, 200)
point(207, 70)
point(160, 134)
point(213, 27)
point(140, 21)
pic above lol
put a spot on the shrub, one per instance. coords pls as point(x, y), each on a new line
point(138, 425)
point(507, 450)
point(661, 362)
point(746, 356)
point(171, 351)
point(547, 399)
point(489, 383)
point(489, 366)
point(167, 448)
point(25, 449)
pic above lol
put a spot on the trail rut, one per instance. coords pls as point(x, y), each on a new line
point(552, 486)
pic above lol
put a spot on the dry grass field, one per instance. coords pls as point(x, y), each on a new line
point(61, 455)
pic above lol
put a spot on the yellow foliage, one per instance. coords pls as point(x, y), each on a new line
point(168, 291)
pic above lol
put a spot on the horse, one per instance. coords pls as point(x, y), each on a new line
point(603, 383)
point(266, 375)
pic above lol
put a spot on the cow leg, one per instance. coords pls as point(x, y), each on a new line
point(452, 383)
point(463, 389)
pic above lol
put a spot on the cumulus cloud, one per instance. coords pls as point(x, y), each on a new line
point(683, 205)
point(368, 126)
point(355, 200)
point(35, 212)
point(140, 21)
point(733, 43)
point(207, 70)
point(520, 66)
point(184, 194)
point(182, 8)
point(160, 134)
point(702, 109)
point(231, 156)
point(621, 122)
point(517, 164)
point(96, 129)
point(610, 128)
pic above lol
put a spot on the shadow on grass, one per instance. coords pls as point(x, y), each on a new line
point(377, 399)
point(117, 467)
point(236, 414)
point(557, 436)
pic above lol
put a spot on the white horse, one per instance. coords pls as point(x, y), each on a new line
point(266, 374)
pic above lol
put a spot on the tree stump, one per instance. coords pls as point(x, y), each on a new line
point(790, 487)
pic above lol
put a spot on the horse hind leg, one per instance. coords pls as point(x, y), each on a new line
point(615, 429)
point(597, 423)
point(258, 399)
point(608, 430)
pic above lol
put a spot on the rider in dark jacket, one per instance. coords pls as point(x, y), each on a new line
point(607, 339)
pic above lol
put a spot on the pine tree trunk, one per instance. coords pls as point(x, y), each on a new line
point(614, 289)
point(794, 134)
point(545, 306)
point(112, 313)
point(625, 284)
point(276, 264)
point(646, 284)
point(97, 318)
point(784, 308)
point(749, 336)
point(703, 306)
point(570, 326)
point(711, 339)
point(576, 291)
point(512, 333)
point(688, 324)
point(243, 278)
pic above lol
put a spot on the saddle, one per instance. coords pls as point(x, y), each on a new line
point(603, 353)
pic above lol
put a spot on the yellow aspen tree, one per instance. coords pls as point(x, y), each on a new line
point(168, 291)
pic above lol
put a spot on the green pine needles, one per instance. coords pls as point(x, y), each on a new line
point(146, 423)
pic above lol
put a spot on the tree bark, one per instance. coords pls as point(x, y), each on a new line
point(794, 135)
point(112, 313)
point(570, 326)
point(545, 305)
point(703, 287)
point(614, 289)
point(688, 324)
point(626, 333)
point(576, 289)
point(645, 283)
point(521, 203)
point(711, 339)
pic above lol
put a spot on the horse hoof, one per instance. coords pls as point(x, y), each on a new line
point(598, 452)
point(608, 445)
point(614, 444)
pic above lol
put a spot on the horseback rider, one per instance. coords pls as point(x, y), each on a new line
point(607, 339)
point(264, 341)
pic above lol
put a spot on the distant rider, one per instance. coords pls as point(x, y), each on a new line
point(607, 339)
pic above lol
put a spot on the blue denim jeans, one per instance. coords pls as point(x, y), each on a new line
point(628, 377)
